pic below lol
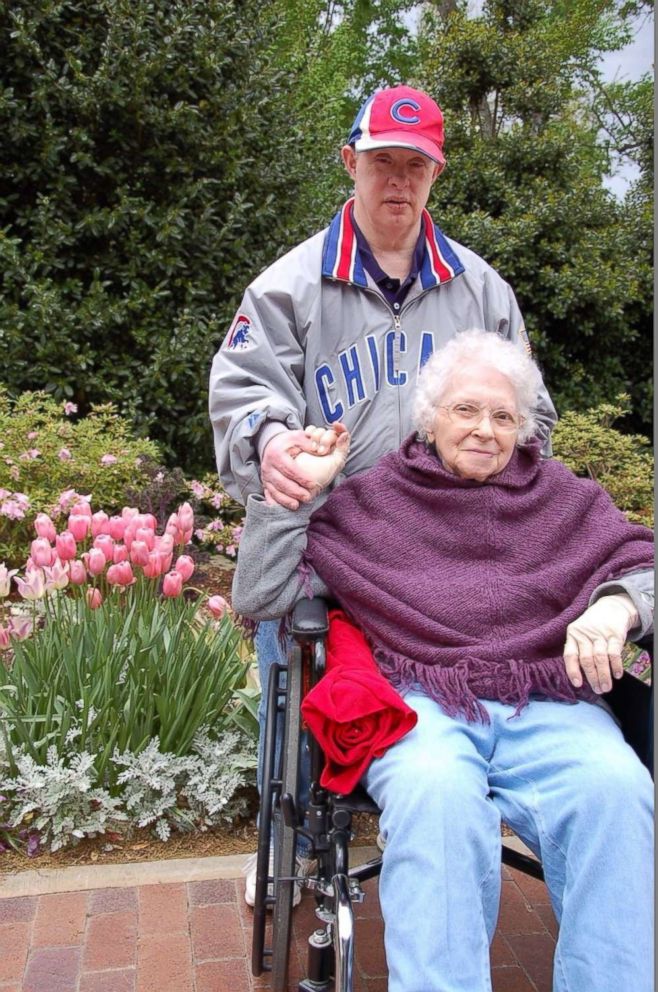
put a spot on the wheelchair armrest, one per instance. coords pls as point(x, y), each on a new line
point(310, 621)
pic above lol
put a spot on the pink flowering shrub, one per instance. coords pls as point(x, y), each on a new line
point(220, 518)
point(45, 449)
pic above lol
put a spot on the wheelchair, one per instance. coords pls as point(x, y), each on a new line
point(325, 818)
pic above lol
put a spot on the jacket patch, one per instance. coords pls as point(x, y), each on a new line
point(238, 335)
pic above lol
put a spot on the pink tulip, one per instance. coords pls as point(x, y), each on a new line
point(146, 520)
point(77, 573)
point(105, 544)
point(33, 586)
point(57, 576)
point(139, 553)
point(94, 598)
point(145, 534)
point(41, 552)
point(159, 562)
point(81, 509)
point(185, 566)
point(129, 512)
point(20, 627)
point(217, 606)
point(164, 542)
point(117, 526)
point(96, 561)
point(44, 527)
point(172, 584)
point(129, 533)
point(119, 553)
point(121, 574)
point(152, 567)
point(186, 517)
point(66, 546)
point(186, 536)
point(4, 638)
point(79, 525)
point(5, 579)
point(100, 523)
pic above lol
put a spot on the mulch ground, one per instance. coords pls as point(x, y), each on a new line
point(110, 849)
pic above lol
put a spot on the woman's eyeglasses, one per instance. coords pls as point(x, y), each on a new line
point(470, 414)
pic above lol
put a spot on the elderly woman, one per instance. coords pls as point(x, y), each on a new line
point(496, 590)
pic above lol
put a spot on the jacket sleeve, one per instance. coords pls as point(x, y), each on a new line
point(640, 587)
point(255, 385)
point(546, 413)
point(266, 584)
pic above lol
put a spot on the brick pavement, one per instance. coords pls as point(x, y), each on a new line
point(194, 936)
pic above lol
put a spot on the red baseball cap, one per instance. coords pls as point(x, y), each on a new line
point(400, 117)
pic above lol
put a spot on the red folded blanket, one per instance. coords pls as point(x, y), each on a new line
point(353, 712)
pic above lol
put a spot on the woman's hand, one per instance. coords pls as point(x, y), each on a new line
point(596, 639)
point(331, 446)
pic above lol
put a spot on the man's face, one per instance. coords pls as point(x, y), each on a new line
point(391, 185)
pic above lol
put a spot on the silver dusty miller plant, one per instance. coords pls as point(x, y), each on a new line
point(60, 799)
point(151, 782)
point(198, 789)
point(63, 801)
point(219, 771)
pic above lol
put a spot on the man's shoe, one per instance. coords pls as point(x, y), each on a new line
point(303, 867)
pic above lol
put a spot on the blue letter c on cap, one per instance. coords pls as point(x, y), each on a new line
point(397, 115)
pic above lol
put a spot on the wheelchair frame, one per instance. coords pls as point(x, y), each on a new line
point(325, 819)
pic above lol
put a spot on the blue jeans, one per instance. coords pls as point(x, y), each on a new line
point(566, 782)
point(268, 652)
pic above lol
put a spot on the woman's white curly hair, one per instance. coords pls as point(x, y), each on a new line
point(476, 347)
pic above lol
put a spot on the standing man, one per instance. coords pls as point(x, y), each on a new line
point(338, 329)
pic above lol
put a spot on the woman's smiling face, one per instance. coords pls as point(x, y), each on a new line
point(481, 449)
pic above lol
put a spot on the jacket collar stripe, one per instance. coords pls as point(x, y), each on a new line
point(438, 266)
point(344, 266)
point(341, 258)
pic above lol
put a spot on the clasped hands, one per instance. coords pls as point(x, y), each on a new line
point(297, 465)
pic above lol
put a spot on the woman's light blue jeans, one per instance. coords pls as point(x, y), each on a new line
point(566, 782)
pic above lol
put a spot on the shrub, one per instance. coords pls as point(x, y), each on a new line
point(623, 464)
point(220, 518)
point(152, 171)
point(43, 451)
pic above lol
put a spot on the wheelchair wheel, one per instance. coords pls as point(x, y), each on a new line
point(270, 790)
point(285, 839)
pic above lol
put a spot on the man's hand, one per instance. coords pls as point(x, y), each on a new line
point(287, 480)
point(595, 642)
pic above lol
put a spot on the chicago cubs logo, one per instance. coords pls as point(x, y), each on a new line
point(238, 336)
point(398, 111)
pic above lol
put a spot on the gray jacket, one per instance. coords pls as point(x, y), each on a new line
point(314, 342)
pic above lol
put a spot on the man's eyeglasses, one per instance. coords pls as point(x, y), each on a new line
point(470, 414)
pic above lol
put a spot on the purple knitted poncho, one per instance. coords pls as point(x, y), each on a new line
point(466, 588)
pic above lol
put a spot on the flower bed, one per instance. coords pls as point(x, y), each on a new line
point(124, 700)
